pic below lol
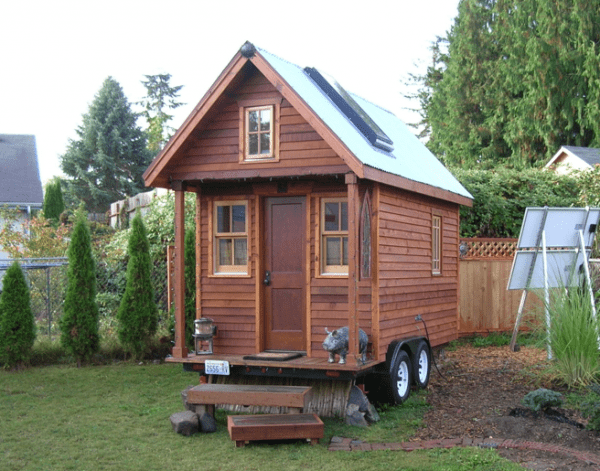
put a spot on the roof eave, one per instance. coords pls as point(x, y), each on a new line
point(416, 187)
point(152, 174)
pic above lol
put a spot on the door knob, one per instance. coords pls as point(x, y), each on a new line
point(267, 280)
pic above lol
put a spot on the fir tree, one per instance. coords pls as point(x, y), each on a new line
point(160, 97)
point(17, 323)
point(138, 314)
point(79, 323)
point(106, 163)
point(519, 79)
point(190, 285)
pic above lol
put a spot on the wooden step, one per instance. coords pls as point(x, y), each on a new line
point(250, 395)
point(245, 428)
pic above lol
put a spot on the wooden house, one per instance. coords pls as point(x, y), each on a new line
point(315, 209)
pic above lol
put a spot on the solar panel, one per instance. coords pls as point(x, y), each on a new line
point(564, 254)
point(352, 110)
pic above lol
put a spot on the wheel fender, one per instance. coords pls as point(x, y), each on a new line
point(409, 345)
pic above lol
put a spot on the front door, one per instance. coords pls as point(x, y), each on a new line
point(284, 277)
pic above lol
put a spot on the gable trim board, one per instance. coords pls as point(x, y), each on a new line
point(409, 166)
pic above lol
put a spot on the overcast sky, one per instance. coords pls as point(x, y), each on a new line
point(56, 54)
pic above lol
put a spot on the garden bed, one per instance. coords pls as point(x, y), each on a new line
point(480, 388)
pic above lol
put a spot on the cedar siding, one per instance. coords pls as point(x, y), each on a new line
point(214, 150)
point(407, 287)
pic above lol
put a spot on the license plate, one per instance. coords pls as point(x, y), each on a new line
point(216, 367)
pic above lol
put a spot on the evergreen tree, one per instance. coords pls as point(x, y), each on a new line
point(138, 314)
point(190, 285)
point(108, 159)
point(160, 97)
point(519, 79)
point(17, 323)
point(54, 204)
point(79, 323)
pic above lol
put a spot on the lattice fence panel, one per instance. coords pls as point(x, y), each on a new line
point(484, 248)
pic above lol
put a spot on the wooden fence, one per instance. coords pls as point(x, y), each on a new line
point(485, 304)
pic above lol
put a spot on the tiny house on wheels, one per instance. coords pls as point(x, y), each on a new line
point(315, 210)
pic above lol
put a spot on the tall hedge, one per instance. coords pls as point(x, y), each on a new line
point(17, 323)
point(501, 196)
point(79, 323)
point(138, 314)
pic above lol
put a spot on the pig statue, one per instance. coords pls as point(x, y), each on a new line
point(337, 342)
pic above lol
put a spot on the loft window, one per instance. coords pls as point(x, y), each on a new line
point(436, 245)
point(259, 132)
point(334, 236)
point(230, 247)
point(365, 238)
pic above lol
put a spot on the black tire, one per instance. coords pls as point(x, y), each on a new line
point(422, 365)
point(401, 377)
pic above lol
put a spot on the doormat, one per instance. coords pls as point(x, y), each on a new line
point(273, 356)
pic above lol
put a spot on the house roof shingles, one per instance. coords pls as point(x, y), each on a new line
point(589, 155)
point(20, 182)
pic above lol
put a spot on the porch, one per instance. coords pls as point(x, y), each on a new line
point(301, 367)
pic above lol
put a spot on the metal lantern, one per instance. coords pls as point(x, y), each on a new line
point(204, 331)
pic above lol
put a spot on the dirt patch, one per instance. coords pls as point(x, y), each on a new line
point(478, 395)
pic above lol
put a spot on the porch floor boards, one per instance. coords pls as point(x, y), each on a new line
point(303, 362)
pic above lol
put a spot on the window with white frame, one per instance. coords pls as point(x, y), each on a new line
point(259, 138)
point(230, 237)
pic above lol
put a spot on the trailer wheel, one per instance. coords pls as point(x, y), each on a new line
point(400, 377)
point(422, 365)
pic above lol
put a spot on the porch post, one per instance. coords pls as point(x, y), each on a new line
point(198, 253)
point(353, 263)
point(179, 350)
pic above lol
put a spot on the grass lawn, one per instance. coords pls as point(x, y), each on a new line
point(117, 418)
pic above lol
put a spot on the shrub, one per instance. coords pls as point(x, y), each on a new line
point(573, 336)
point(190, 285)
point(79, 323)
point(138, 314)
point(17, 324)
point(591, 408)
point(542, 399)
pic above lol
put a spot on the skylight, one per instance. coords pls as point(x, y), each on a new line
point(352, 110)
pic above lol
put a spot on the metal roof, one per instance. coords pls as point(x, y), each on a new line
point(20, 181)
point(409, 158)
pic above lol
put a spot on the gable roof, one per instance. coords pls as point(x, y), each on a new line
point(589, 155)
point(410, 165)
point(20, 182)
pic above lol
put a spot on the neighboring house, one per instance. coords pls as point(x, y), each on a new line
point(315, 209)
point(20, 184)
point(570, 158)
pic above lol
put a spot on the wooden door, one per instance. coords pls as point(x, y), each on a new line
point(285, 234)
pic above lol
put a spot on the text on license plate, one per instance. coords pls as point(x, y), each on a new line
point(216, 367)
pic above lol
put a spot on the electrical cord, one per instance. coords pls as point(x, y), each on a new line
point(420, 319)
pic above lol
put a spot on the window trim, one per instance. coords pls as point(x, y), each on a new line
point(215, 236)
point(331, 270)
point(364, 213)
point(436, 243)
point(245, 106)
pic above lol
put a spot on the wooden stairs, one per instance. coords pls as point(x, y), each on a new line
point(244, 428)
